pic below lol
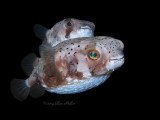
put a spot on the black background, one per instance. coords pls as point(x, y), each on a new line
point(120, 92)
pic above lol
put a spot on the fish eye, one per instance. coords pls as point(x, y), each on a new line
point(93, 54)
point(69, 24)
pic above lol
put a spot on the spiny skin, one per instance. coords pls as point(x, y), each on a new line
point(67, 29)
point(68, 65)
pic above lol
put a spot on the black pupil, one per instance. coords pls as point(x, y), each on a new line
point(69, 24)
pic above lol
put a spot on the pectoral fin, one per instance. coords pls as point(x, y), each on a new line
point(28, 63)
point(40, 31)
point(37, 90)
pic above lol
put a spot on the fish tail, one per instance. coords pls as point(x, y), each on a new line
point(20, 89)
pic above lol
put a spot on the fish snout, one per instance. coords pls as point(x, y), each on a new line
point(115, 61)
point(119, 56)
point(88, 25)
point(116, 56)
point(117, 50)
point(120, 45)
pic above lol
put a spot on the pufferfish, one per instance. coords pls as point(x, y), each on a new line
point(68, 28)
point(72, 66)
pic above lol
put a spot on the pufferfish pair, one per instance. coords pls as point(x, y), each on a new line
point(71, 60)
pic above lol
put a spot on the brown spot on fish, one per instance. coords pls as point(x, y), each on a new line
point(77, 75)
point(69, 67)
point(99, 68)
point(69, 28)
point(55, 81)
point(50, 81)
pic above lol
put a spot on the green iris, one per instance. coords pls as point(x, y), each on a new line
point(93, 54)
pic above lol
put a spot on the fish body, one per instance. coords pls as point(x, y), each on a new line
point(72, 66)
point(65, 29)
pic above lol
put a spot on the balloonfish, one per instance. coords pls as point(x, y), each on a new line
point(66, 29)
point(72, 66)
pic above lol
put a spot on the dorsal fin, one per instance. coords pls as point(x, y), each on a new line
point(28, 63)
point(40, 31)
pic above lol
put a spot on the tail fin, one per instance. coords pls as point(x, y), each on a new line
point(40, 31)
point(19, 89)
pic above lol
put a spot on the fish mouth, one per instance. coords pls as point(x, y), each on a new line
point(115, 63)
point(85, 27)
point(117, 58)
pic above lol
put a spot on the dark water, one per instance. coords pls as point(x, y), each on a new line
point(119, 91)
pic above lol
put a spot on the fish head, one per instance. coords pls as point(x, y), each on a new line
point(93, 56)
point(68, 29)
point(75, 28)
point(104, 55)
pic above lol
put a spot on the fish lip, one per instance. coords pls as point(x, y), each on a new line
point(85, 27)
point(117, 59)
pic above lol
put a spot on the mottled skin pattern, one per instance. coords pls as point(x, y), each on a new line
point(69, 61)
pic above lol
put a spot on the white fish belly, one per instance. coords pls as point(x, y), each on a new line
point(80, 87)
